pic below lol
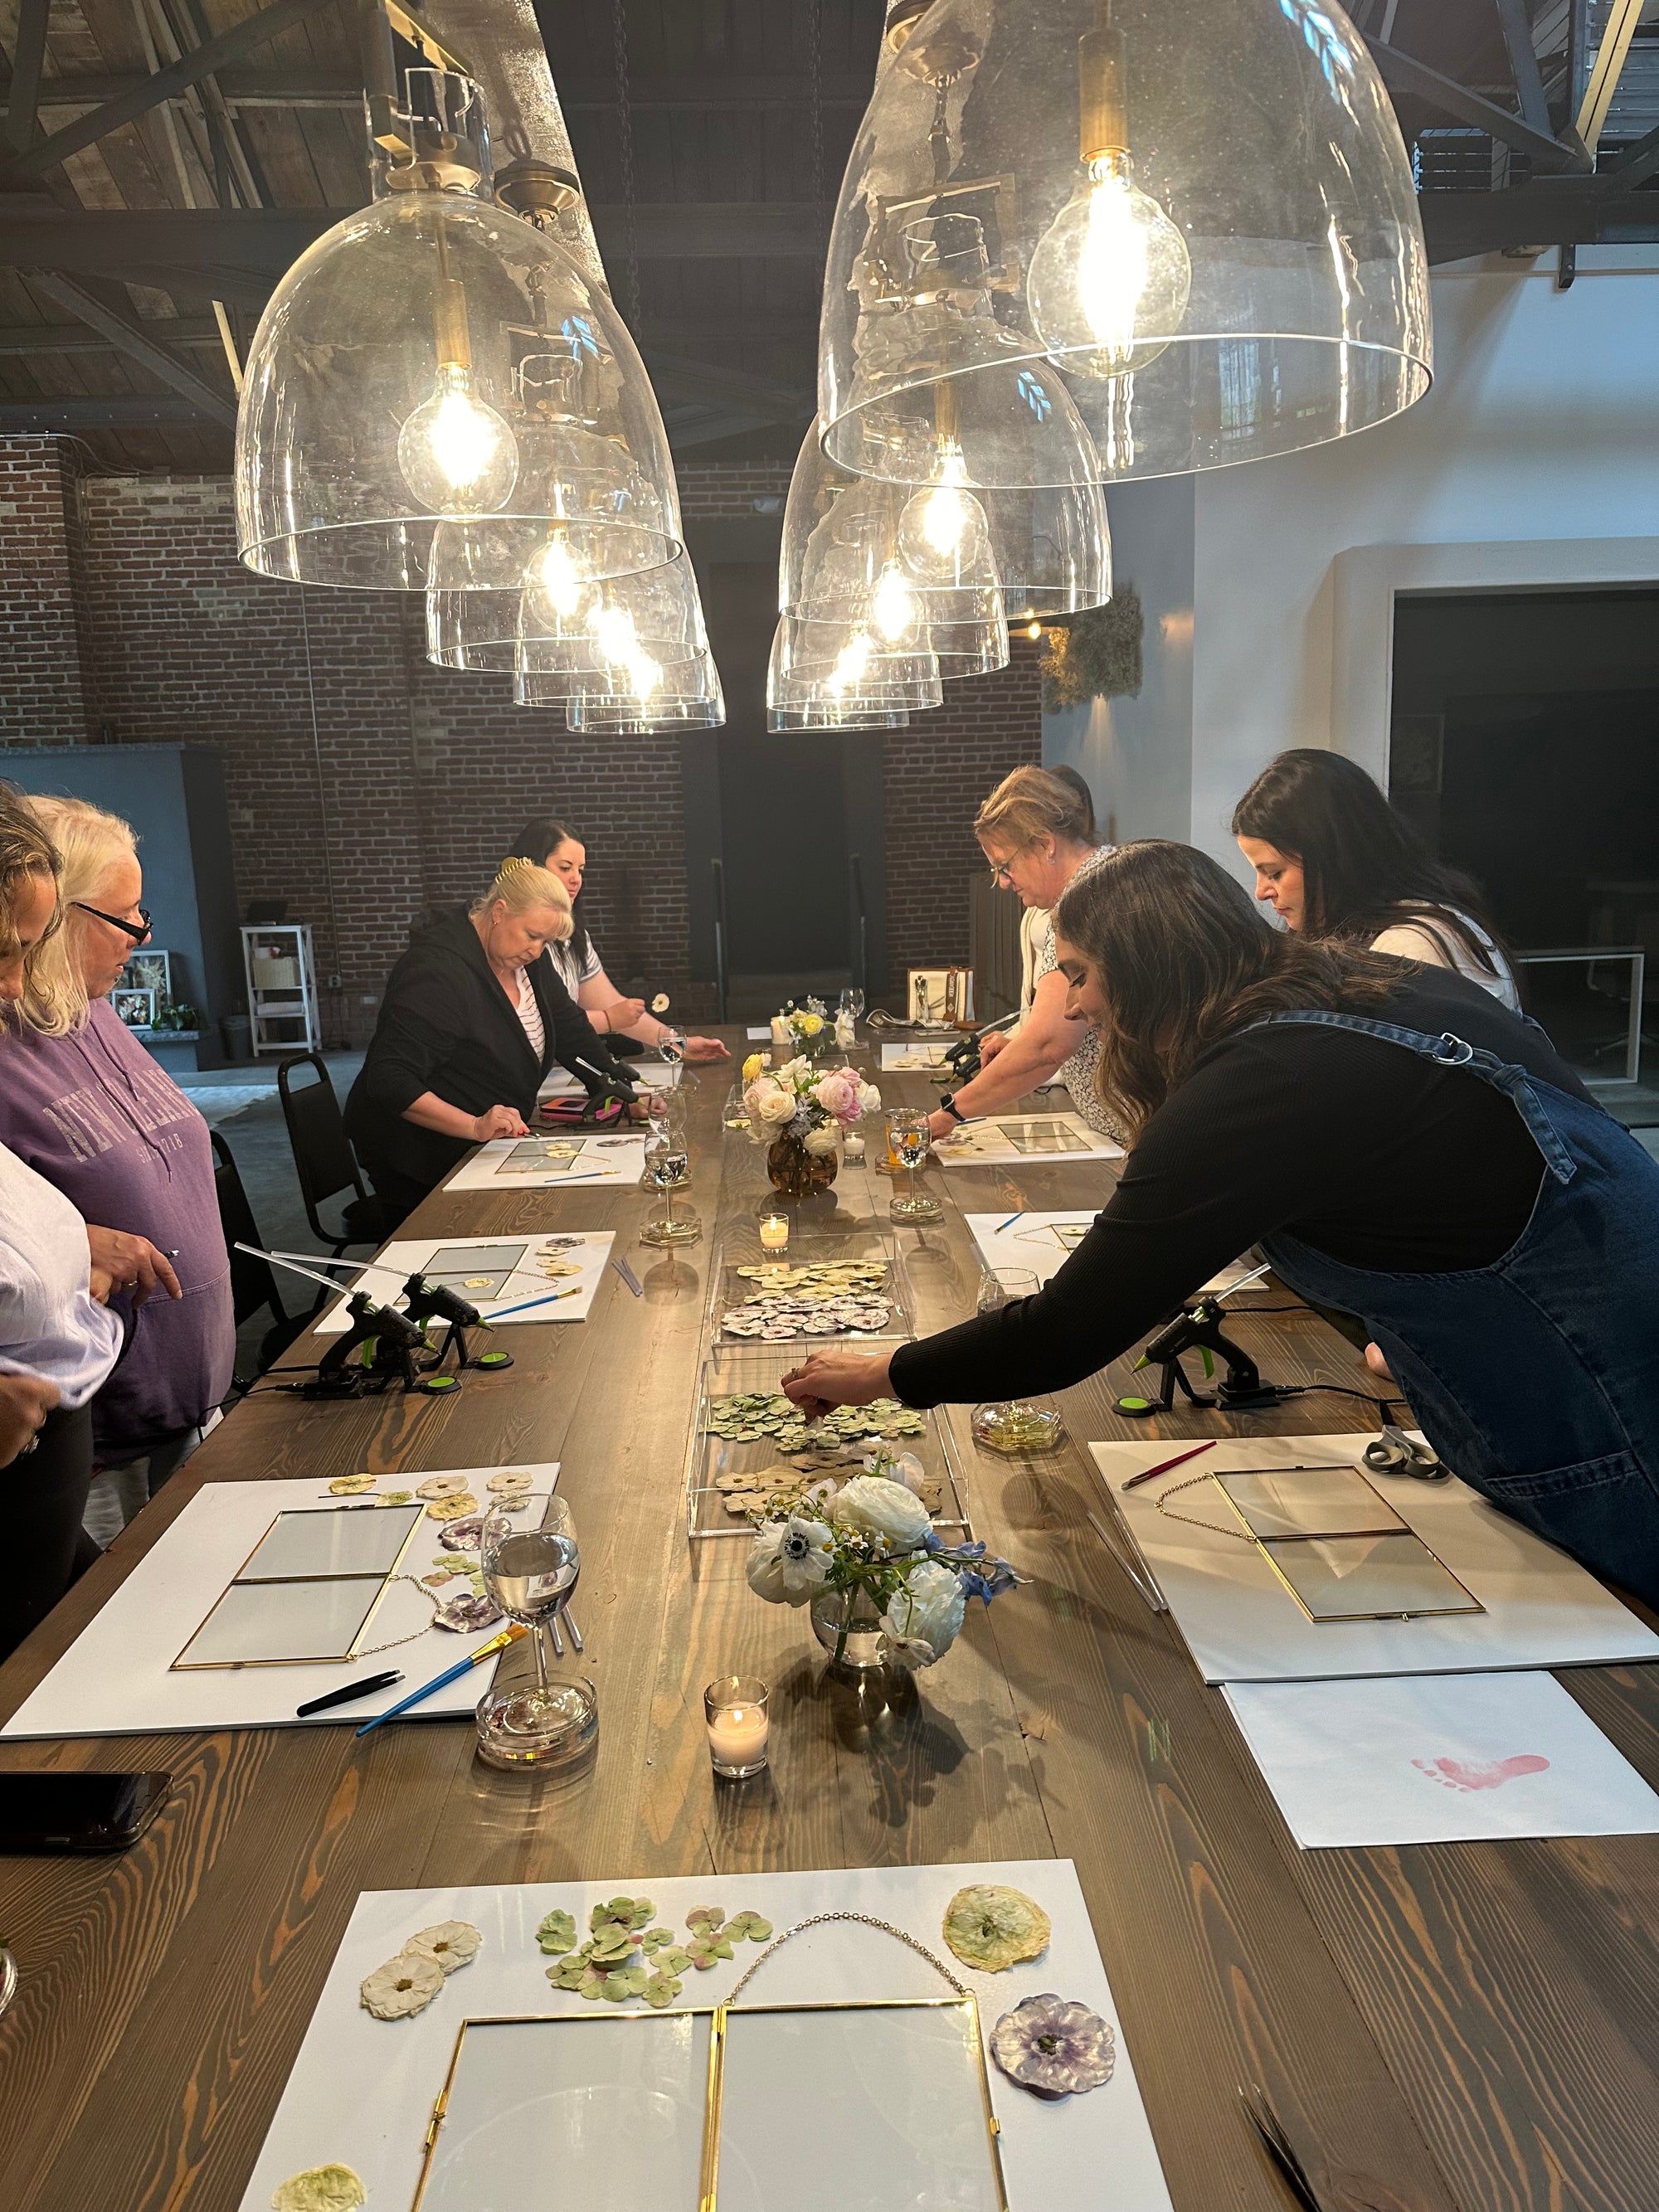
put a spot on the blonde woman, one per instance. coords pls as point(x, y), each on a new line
point(1037, 831)
point(85, 1106)
point(473, 1020)
point(58, 1339)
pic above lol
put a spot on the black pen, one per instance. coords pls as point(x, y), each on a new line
point(347, 1696)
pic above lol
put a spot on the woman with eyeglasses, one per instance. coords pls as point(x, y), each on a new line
point(58, 1340)
point(1037, 831)
point(87, 1107)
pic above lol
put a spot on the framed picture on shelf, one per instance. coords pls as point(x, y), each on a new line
point(136, 1008)
point(149, 970)
point(940, 994)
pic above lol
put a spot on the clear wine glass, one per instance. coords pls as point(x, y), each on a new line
point(1014, 1425)
point(530, 1573)
point(909, 1141)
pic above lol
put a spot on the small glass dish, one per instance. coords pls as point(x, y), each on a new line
point(528, 1727)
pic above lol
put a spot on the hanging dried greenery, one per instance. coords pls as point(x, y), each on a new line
point(1097, 655)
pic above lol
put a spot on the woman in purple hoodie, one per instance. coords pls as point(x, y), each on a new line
point(87, 1107)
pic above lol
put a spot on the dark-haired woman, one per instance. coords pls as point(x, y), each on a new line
point(1332, 858)
point(558, 849)
point(1400, 1146)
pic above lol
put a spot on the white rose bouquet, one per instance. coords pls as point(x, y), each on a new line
point(799, 1100)
point(878, 1537)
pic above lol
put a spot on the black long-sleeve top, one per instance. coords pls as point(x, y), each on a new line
point(1356, 1146)
point(447, 1026)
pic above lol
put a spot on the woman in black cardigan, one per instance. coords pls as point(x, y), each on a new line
point(473, 1020)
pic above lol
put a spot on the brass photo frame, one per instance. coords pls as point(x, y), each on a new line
point(1304, 1560)
point(339, 1601)
point(701, 2084)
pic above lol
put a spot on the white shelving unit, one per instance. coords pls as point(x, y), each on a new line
point(282, 986)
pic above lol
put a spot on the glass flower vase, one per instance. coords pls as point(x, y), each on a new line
point(797, 1172)
point(847, 1624)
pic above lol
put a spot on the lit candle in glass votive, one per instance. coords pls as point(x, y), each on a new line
point(775, 1232)
point(852, 1144)
point(735, 1709)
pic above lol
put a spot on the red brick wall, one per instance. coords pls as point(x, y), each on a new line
point(934, 776)
point(126, 612)
point(41, 699)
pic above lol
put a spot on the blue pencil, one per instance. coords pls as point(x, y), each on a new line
point(574, 1291)
point(450, 1674)
point(1008, 1224)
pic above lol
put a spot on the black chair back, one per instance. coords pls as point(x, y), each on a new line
point(252, 1283)
point(323, 1159)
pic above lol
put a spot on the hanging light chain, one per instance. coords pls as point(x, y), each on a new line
point(625, 132)
point(814, 71)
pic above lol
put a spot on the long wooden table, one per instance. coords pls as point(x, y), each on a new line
point(1464, 2026)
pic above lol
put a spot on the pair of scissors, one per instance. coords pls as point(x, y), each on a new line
point(1396, 1452)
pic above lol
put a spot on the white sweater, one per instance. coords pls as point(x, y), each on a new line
point(49, 1324)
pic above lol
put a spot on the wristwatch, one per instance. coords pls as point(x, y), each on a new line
point(948, 1105)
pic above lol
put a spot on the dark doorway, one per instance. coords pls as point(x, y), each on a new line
point(1525, 745)
point(787, 818)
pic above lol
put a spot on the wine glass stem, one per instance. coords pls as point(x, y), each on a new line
point(912, 1186)
point(537, 1637)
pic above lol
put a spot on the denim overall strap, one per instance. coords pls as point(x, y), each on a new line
point(1448, 1051)
point(1536, 1377)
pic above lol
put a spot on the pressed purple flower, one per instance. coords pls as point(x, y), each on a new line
point(1053, 2046)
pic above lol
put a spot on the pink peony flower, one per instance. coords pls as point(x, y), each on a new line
point(836, 1095)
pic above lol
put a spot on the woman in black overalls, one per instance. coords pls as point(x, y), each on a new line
point(1401, 1146)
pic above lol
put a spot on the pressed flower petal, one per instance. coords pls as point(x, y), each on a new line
point(319, 2189)
point(1055, 2046)
point(992, 1927)
point(450, 1944)
point(404, 1986)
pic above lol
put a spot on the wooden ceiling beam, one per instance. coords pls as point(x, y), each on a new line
point(115, 323)
point(19, 341)
point(255, 30)
point(28, 58)
point(238, 88)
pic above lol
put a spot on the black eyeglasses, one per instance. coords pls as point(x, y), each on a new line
point(138, 931)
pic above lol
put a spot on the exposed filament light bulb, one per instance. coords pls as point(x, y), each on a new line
point(893, 603)
point(943, 532)
point(456, 453)
point(1111, 276)
point(558, 577)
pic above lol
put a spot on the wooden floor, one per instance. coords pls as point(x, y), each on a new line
point(1472, 2025)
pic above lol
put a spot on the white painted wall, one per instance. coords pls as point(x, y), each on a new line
point(1136, 754)
point(1534, 460)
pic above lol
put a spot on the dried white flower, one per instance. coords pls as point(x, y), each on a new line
point(450, 1944)
point(402, 1987)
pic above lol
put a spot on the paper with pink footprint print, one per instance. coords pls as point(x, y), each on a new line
point(1480, 1773)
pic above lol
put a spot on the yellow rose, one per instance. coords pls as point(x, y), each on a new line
point(752, 1066)
point(810, 1024)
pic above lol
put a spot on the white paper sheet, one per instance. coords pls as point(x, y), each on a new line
point(603, 1160)
point(407, 1254)
point(1240, 1624)
point(1028, 1241)
point(113, 1678)
point(1053, 2154)
point(916, 1059)
point(760, 1033)
point(1438, 1759)
point(1010, 1140)
point(650, 1075)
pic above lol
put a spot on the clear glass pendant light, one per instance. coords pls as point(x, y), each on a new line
point(604, 625)
point(438, 395)
point(1049, 551)
point(1193, 225)
point(834, 669)
point(687, 698)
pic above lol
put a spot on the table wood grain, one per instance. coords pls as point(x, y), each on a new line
point(1465, 2025)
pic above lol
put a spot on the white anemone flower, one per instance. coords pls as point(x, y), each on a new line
point(790, 1562)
